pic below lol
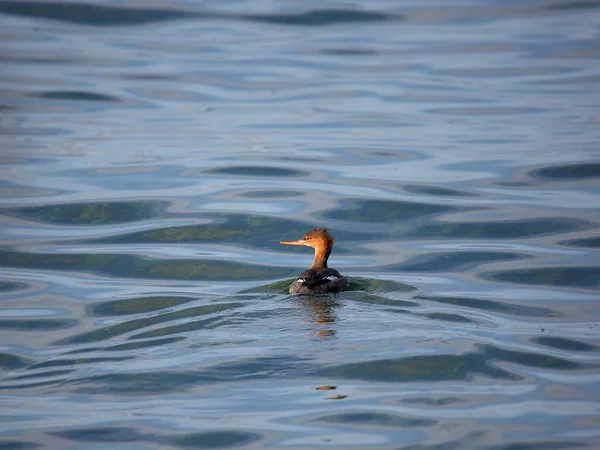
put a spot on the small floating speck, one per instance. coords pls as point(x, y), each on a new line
point(325, 388)
point(337, 397)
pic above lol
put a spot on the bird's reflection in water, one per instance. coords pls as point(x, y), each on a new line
point(321, 311)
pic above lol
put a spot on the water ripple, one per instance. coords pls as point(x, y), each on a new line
point(155, 156)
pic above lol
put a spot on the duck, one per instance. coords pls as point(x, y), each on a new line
point(318, 279)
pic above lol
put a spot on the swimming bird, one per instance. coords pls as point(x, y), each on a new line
point(318, 279)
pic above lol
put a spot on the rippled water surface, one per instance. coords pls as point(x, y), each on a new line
point(155, 153)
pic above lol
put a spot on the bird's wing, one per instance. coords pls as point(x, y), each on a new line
point(312, 278)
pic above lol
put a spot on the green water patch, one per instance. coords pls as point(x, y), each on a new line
point(136, 324)
point(561, 343)
point(181, 328)
point(530, 359)
point(100, 435)
point(118, 434)
point(278, 287)
point(586, 277)
point(506, 229)
point(141, 267)
point(216, 439)
point(419, 368)
point(210, 270)
point(449, 367)
point(80, 96)
point(512, 183)
point(589, 242)
point(374, 299)
point(7, 444)
point(8, 286)
point(88, 14)
point(36, 324)
point(375, 285)
point(490, 305)
point(213, 233)
point(258, 368)
point(374, 419)
point(92, 213)
point(446, 317)
point(257, 171)
point(454, 261)
point(322, 17)
point(384, 211)
point(9, 361)
point(136, 305)
point(52, 261)
point(568, 6)
point(244, 229)
point(431, 401)
point(436, 191)
point(567, 172)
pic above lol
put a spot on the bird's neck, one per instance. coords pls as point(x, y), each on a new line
point(321, 255)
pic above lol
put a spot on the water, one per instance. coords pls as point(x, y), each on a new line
point(155, 153)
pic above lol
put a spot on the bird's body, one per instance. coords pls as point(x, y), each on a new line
point(318, 279)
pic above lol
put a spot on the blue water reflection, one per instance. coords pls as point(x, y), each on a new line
point(155, 155)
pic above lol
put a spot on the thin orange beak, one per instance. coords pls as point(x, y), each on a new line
point(298, 242)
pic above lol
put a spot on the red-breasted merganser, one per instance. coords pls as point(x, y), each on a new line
point(319, 279)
